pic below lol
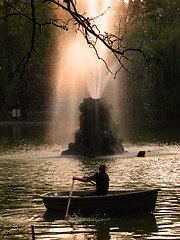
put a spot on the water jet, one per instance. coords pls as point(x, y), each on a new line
point(80, 74)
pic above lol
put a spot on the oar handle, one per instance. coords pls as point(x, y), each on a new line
point(69, 201)
point(93, 182)
point(72, 186)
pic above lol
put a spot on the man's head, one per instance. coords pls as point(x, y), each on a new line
point(102, 168)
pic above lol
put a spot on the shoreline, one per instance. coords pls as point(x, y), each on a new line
point(33, 123)
point(48, 122)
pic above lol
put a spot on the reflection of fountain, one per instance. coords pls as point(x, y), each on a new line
point(95, 135)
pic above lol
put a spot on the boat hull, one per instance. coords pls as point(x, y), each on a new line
point(132, 201)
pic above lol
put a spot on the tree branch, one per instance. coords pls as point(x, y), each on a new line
point(88, 28)
point(116, 43)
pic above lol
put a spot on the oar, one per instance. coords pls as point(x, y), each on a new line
point(69, 201)
point(93, 182)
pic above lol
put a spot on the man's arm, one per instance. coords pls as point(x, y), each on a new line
point(83, 179)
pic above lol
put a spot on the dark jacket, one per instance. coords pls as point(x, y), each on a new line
point(102, 182)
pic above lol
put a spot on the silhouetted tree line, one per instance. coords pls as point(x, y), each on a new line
point(155, 96)
point(144, 42)
point(24, 59)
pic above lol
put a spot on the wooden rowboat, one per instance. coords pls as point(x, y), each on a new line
point(115, 202)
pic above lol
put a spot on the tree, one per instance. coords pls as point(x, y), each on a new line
point(115, 42)
point(139, 37)
point(15, 48)
point(155, 97)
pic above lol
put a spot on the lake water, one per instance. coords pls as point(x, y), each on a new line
point(30, 166)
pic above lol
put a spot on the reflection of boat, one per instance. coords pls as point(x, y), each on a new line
point(114, 202)
point(137, 222)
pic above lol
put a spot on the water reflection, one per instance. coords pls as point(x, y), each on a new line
point(28, 170)
point(21, 135)
point(99, 228)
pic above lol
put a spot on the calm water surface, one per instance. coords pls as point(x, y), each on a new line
point(30, 166)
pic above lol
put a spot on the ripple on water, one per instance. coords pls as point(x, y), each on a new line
point(25, 176)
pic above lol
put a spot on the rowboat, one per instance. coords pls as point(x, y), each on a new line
point(113, 203)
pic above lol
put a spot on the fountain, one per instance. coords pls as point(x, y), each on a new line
point(95, 137)
point(80, 73)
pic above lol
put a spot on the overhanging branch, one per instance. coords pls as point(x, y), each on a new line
point(91, 32)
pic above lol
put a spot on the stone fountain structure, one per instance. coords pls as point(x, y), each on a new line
point(95, 135)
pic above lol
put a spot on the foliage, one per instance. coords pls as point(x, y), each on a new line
point(30, 92)
point(155, 96)
point(145, 31)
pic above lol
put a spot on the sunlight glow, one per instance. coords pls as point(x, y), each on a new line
point(79, 73)
point(125, 1)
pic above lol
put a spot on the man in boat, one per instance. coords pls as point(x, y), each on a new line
point(101, 178)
